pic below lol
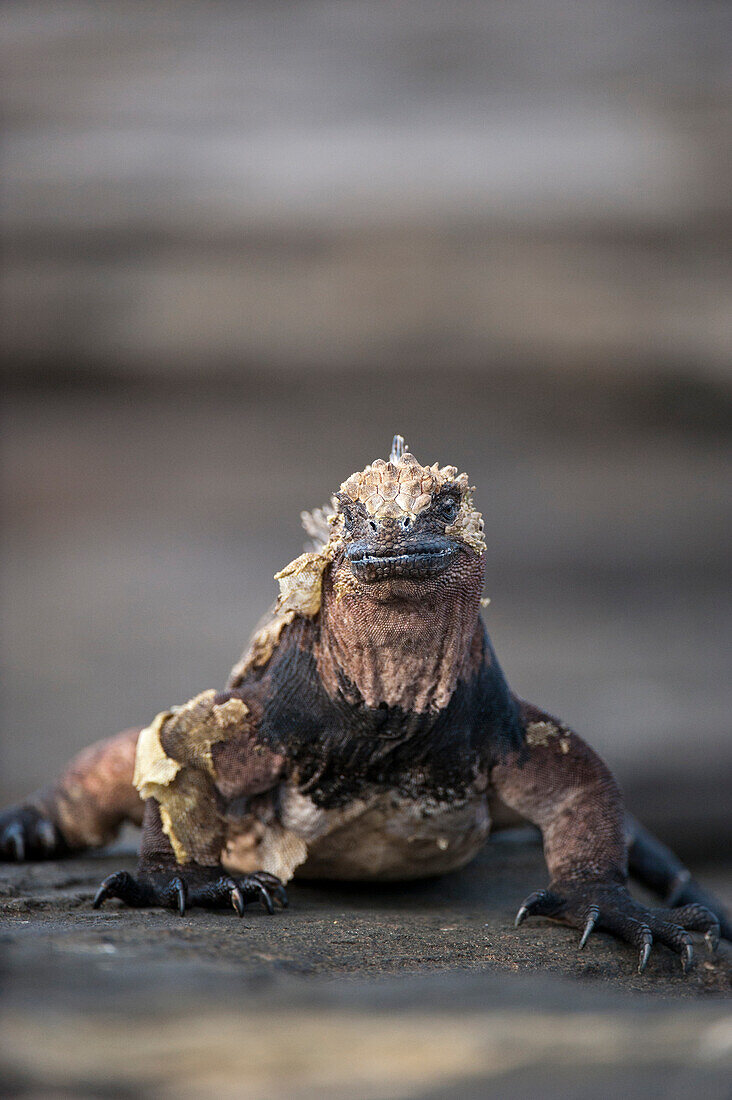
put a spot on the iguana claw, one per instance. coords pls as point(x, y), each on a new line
point(12, 839)
point(592, 918)
point(26, 834)
point(181, 891)
point(610, 908)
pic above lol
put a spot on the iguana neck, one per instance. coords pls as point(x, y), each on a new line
point(401, 653)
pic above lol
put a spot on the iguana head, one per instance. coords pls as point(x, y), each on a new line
point(394, 521)
point(399, 519)
point(396, 529)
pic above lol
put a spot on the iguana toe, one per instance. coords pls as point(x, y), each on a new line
point(608, 907)
point(26, 834)
point(182, 891)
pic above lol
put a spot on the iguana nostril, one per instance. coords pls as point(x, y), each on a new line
point(373, 525)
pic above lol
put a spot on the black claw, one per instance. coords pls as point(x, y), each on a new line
point(265, 898)
point(592, 919)
point(100, 897)
point(584, 905)
point(698, 918)
point(175, 893)
point(270, 886)
point(237, 900)
point(108, 888)
point(645, 954)
point(266, 877)
point(687, 958)
point(526, 908)
point(14, 839)
point(542, 903)
point(118, 885)
point(179, 886)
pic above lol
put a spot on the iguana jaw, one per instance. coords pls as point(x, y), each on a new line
point(371, 561)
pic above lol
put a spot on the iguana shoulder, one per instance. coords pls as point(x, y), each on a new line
point(300, 594)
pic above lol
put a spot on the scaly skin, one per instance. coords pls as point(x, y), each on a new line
point(368, 707)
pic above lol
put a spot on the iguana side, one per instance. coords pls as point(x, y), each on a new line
point(367, 733)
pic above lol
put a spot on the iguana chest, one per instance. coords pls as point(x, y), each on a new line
point(380, 836)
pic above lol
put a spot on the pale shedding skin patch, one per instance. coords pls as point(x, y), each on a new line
point(278, 847)
point(301, 583)
point(317, 524)
point(540, 733)
point(281, 852)
point(191, 730)
point(153, 767)
point(180, 779)
point(263, 643)
point(189, 820)
point(301, 593)
point(468, 526)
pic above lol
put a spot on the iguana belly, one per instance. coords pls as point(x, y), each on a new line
point(383, 837)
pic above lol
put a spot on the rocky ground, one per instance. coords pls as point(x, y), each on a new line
point(408, 990)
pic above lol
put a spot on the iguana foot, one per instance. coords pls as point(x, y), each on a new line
point(180, 890)
point(25, 833)
point(686, 893)
point(608, 907)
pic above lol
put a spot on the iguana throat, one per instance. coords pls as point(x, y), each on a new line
point(401, 652)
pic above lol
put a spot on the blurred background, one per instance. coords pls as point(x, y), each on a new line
point(245, 244)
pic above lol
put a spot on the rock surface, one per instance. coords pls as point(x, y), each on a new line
point(421, 989)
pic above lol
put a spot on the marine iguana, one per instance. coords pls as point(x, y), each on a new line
point(368, 732)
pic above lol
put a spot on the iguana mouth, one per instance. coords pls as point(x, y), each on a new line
point(424, 559)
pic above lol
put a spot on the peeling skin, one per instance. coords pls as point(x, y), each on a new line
point(301, 583)
point(281, 851)
point(174, 766)
point(153, 767)
point(538, 733)
point(189, 820)
point(317, 524)
point(263, 643)
point(469, 524)
point(301, 593)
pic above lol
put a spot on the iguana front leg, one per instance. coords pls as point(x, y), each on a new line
point(557, 782)
point(191, 764)
point(82, 809)
point(161, 881)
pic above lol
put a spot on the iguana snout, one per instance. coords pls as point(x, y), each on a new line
point(397, 548)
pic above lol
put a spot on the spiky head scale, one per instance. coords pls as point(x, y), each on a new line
point(403, 487)
point(399, 487)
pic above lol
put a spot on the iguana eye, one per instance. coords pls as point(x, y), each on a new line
point(449, 509)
